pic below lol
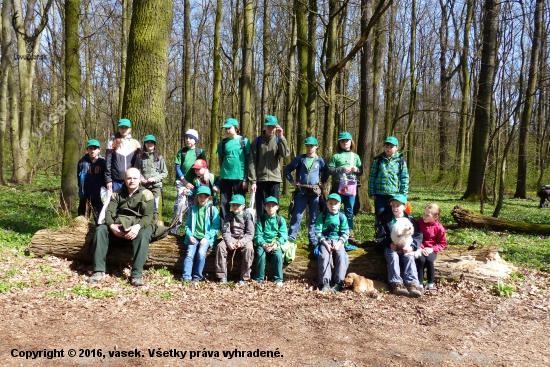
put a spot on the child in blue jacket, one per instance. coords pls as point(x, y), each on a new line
point(91, 178)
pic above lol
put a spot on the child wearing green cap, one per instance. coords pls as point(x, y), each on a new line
point(393, 258)
point(237, 234)
point(388, 176)
point(311, 174)
point(345, 165)
point(332, 232)
point(91, 178)
point(122, 152)
point(201, 228)
point(234, 156)
point(153, 169)
point(270, 234)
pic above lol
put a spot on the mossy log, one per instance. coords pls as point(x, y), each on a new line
point(73, 243)
point(468, 218)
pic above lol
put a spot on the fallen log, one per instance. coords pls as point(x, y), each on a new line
point(74, 242)
point(470, 219)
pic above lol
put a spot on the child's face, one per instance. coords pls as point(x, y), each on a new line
point(390, 149)
point(237, 208)
point(93, 152)
point(230, 131)
point(124, 131)
point(397, 208)
point(199, 171)
point(150, 146)
point(271, 209)
point(428, 216)
point(190, 142)
point(203, 199)
point(311, 149)
point(345, 144)
point(333, 205)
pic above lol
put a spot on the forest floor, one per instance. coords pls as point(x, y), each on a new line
point(47, 304)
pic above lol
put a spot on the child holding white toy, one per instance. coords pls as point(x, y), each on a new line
point(393, 257)
point(434, 241)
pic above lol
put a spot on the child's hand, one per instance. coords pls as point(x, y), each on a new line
point(231, 246)
point(190, 186)
point(393, 246)
point(204, 242)
point(193, 240)
point(327, 246)
point(337, 245)
point(427, 251)
point(407, 249)
point(268, 247)
point(151, 179)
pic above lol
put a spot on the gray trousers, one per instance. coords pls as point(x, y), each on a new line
point(247, 254)
point(340, 264)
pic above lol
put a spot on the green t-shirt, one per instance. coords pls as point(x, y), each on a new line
point(332, 227)
point(234, 159)
point(199, 226)
point(190, 158)
point(343, 159)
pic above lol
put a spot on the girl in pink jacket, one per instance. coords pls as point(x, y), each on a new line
point(433, 242)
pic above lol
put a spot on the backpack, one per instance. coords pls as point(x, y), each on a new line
point(197, 154)
point(263, 219)
point(225, 140)
point(340, 215)
point(379, 159)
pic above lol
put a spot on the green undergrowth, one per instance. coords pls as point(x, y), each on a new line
point(29, 208)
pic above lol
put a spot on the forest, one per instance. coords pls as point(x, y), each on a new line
point(462, 84)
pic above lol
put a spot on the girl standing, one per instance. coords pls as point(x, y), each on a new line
point(153, 169)
point(121, 154)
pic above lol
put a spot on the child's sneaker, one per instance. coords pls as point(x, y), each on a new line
point(96, 277)
point(279, 284)
point(223, 280)
point(326, 288)
point(137, 282)
point(337, 288)
point(241, 283)
point(414, 291)
point(399, 289)
point(431, 288)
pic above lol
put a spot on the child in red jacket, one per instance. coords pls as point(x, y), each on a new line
point(433, 242)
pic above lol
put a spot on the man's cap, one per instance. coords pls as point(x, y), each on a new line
point(93, 143)
point(191, 133)
point(310, 140)
point(124, 122)
point(399, 197)
point(200, 163)
point(237, 199)
point(392, 140)
point(204, 190)
point(149, 138)
point(271, 199)
point(271, 121)
point(335, 196)
point(230, 122)
point(344, 136)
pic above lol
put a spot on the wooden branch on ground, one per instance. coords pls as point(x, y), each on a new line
point(470, 219)
point(455, 262)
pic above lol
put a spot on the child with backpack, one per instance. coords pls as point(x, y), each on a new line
point(201, 228)
point(311, 174)
point(344, 166)
point(237, 234)
point(121, 154)
point(153, 169)
point(433, 242)
point(332, 233)
point(269, 235)
point(185, 158)
point(264, 172)
point(203, 177)
point(393, 257)
point(91, 178)
point(234, 157)
point(388, 176)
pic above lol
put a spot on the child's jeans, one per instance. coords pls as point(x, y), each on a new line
point(340, 264)
point(194, 260)
point(300, 204)
point(409, 267)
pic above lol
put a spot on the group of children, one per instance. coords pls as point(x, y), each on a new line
point(242, 163)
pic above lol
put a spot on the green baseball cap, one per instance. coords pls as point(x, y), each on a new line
point(271, 199)
point(124, 122)
point(335, 196)
point(271, 121)
point(399, 197)
point(204, 190)
point(230, 122)
point(93, 143)
point(237, 199)
point(344, 136)
point(310, 140)
point(150, 138)
point(392, 140)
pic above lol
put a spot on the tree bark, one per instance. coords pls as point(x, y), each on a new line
point(145, 92)
point(300, 11)
point(6, 66)
point(267, 63)
point(289, 99)
point(246, 75)
point(126, 6)
point(186, 91)
point(311, 110)
point(214, 126)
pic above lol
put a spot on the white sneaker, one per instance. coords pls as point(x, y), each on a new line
point(279, 284)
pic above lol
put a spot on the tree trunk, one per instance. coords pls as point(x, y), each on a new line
point(267, 63)
point(6, 67)
point(521, 185)
point(378, 57)
point(246, 75)
point(330, 89)
point(89, 123)
point(456, 261)
point(145, 91)
point(214, 126)
point(126, 6)
point(72, 118)
point(389, 82)
point(289, 100)
point(186, 72)
point(300, 11)
point(483, 107)
point(409, 135)
point(311, 110)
